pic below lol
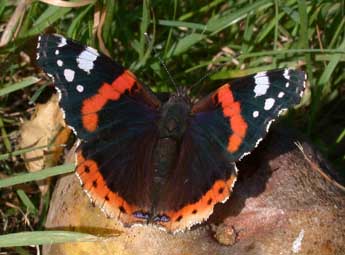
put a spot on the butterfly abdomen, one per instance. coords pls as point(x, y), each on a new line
point(172, 126)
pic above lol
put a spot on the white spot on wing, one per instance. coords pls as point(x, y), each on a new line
point(260, 90)
point(287, 85)
point(262, 84)
point(255, 114)
point(63, 42)
point(281, 94)
point(38, 45)
point(269, 102)
point(37, 55)
point(93, 51)
point(86, 59)
point(69, 74)
point(80, 88)
point(260, 74)
point(296, 245)
point(286, 74)
point(59, 62)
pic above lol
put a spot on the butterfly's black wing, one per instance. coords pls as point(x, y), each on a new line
point(225, 126)
point(114, 116)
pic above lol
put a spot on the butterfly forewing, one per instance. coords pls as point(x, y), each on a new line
point(241, 111)
point(115, 117)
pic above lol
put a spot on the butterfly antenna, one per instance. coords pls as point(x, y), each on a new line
point(206, 76)
point(163, 64)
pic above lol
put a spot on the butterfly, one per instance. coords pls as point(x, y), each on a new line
point(167, 163)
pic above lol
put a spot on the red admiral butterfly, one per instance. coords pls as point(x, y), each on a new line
point(168, 163)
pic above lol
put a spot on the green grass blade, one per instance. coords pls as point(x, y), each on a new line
point(44, 237)
point(205, 8)
point(264, 32)
point(217, 24)
point(185, 43)
point(44, 173)
point(20, 152)
point(168, 42)
point(230, 74)
point(337, 33)
point(327, 73)
point(144, 24)
point(73, 28)
point(247, 35)
point(3, 4)
point(37, 93)
point(111, 7)
point(6, 141)
point(27, 202)
point(19, 85)
point(304, 35)
point(341, 136)
point(49, 17)
point(289, 51)
point(174, 23)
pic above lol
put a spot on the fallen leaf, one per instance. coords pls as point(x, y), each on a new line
point(46, 130)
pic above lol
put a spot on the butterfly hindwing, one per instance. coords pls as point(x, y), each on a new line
point(203, 177)
point(117, 170)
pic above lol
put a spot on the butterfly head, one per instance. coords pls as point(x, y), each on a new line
point(174, 117)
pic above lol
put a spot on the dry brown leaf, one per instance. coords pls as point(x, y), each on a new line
point(14, 22)
point(61, 3)
point(99, 33)
point(47, 127)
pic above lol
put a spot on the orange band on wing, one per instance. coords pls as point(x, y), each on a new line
point(232, 110)
point(202, 209)
point(95, 184)
point(124, 82)
point(106, 92)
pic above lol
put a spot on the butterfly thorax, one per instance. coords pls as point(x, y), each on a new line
point(174, 118)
